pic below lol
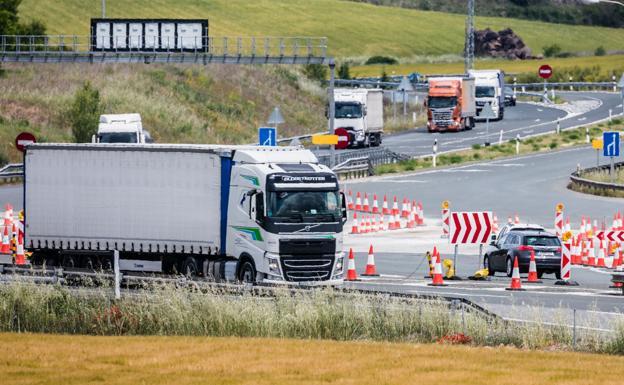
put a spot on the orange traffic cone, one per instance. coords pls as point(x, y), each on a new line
point(397, 221)
point(437, 272)
point(354, 227)
point(6, 242)
point(404, 209)
point(533, 270)
point(366, 207)
point(384, 209)
point(371, 270)
point(395, 206)
point(600, 261)
point(20, 258)
point(375, 204)
point(351, 273)
point(515, 277)
point(517, 219)
point(358, 202)
point(350, 204)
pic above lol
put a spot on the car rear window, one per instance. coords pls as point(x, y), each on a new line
point(541, 240)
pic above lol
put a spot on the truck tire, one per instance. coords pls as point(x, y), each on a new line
point(247, 272)
point(189, 267)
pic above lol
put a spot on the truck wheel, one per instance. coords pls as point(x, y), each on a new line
point(68, 262)
point(189, 267)
point(247, 273)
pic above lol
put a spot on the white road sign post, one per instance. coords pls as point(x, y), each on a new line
point(488, 113)
point(470, 228)
point(621, 85)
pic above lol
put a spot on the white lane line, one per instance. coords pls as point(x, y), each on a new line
point(582, 119)
point(538, 120)
point(539, 110)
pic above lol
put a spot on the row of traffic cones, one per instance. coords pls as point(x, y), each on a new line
point(376, 223)
point(362, 205)
point(12, 237)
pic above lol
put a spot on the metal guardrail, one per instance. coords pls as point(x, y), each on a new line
point(11, 172)
point(577, 178)
point(359, 167)
point(239, 50)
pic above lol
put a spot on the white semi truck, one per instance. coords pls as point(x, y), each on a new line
point(359, 111)
point(121, 128)
point(248, 213)
point(490, 88)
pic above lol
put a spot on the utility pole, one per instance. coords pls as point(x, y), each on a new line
point(470, 35)
point(332, 109)
point(103, 9)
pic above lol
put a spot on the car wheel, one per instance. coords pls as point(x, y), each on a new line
point(486, 265)
point(558, 274)
point(540, 274)
point(509, 267)
point(247, 273)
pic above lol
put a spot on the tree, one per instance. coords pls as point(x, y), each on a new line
point(8, 16)
point(84, 113)
point(343, 71)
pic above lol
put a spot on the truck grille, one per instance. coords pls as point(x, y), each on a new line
point(307, 259)
point(437, 116)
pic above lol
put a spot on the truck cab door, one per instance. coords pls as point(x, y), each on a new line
point(256, 207)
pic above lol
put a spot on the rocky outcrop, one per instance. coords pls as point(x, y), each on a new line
point(502, 44)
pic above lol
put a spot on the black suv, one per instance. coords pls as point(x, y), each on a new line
point(546, 246)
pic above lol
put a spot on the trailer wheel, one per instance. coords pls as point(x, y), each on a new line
point(189, 267)
point(247, 272)
point(68, 262)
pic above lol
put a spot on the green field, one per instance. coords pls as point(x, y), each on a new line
point(608, 65)
point(353, 29)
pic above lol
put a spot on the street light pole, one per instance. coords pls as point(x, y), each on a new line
point(469, 48)
point(103, 9)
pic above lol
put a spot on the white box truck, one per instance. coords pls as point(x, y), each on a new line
point(359, 111)
point(121, 128)
point(249, 213)
point(490, 88)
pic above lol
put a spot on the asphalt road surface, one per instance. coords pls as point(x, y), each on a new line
point(524, 119)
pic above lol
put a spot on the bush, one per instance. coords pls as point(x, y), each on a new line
point(343, 71)
point(551, 50)
point(381, 60)
point(600, 51)
point(476, 146)
point(84, 113)
point(553, 145)
point(316, 72)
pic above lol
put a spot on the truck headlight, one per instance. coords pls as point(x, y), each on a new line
point(272, 262)
point(339, 265)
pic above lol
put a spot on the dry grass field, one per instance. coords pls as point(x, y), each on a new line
point(60, 359)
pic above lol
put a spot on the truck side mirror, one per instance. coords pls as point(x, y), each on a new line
point(364, 111)
point(343, 207)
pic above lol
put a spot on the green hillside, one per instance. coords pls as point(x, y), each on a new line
point(353, 29)
point(178, 104)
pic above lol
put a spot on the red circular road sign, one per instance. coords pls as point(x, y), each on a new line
point(545, 71)
point(343, 138)
point(24, 139)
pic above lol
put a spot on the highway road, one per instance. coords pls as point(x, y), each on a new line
point(525, 119)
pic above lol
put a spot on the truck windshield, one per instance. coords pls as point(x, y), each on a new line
point(315, 206)
point(485, 92)
point(118, 137)
point(442, 102)
point(348, 110)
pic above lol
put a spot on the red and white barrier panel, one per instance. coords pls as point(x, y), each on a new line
point(470, 227)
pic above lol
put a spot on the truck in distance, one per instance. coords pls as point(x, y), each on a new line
point(490, 88)
point(360, 112)
point(121, 128)
point(450, 103)
point(248, 213)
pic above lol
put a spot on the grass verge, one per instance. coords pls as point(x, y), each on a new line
point(62, 359)
point(325, 314)
point(479, 153)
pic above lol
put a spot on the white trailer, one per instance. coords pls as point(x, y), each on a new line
point(261, 214)
point(360, 112)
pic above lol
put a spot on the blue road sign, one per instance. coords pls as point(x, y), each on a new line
point(267, 136)
point(611, 143)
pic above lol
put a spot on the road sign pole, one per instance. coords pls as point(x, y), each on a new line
point(612, 171)
point(455, 260)
point(597, 158)
point(487, 132)
point(480, 255)
point(332, 109)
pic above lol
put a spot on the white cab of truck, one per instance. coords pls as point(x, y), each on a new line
point(247, 213)
point(490, 86)
point(360, 112)
point(121, 128)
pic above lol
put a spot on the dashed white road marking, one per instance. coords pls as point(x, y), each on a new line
point(582, 119)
